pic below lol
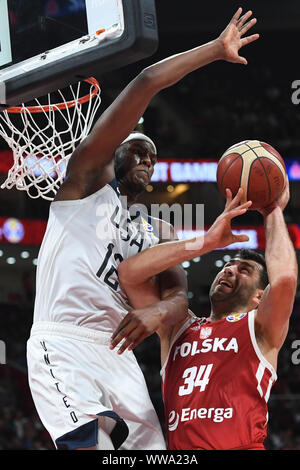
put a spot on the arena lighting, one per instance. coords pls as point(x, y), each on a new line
point(180, 189)
point(185, 264)
point(219, 263)
point(165, 170)
point(22, 231)
point(30, 232)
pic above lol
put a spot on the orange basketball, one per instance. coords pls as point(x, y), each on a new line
point(256, 167)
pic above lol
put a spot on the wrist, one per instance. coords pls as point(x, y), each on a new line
point(217, 49)
point(173, 309)
point(209, 243)
point(268, 211)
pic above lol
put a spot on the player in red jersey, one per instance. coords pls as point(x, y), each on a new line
point(218, 372)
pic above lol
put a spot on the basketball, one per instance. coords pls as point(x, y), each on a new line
point(256, 167)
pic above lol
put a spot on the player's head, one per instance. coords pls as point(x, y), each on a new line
point(134, 162)
point(241, 282)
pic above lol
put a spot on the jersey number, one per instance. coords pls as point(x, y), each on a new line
point(195, 377)
point(112, 270)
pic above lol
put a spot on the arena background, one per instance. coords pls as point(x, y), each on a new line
point(194, 122)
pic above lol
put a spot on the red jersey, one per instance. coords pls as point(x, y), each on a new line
point(216, 384)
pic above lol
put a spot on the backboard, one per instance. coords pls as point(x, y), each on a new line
point(48, 44)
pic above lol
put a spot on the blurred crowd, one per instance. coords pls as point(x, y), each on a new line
point(21, 428)
point(252, 104)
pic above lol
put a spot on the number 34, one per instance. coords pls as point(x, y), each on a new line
point(195, 377)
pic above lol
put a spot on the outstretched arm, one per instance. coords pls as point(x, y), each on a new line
point(140, 284)
point(158, 258)
point(94, 155)
point(275, 308)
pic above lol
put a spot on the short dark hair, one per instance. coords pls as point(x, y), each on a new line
point(258, 258)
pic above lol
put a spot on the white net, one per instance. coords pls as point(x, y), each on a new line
point(44, 136)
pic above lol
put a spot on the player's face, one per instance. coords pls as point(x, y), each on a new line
point(237, 283)
point(137, 161)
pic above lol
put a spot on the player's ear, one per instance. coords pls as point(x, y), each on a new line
point(257, 297)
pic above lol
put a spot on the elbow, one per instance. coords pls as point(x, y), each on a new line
point(153, 80)
point(122, 273)
point(125, 274)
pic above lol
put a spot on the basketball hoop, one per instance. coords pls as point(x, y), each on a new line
point(44, 136)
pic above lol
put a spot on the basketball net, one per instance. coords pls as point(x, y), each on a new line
point(44, 136)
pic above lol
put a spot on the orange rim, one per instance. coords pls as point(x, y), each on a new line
point(54, 107)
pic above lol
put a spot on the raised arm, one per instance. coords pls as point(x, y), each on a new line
point(137, 276)
point(92, 159)
point(275, 308)
point(158, 258)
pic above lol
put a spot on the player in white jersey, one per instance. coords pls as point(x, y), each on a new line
point(87, 396)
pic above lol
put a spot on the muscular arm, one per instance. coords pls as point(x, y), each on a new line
point(159, 303)
point(138, 274)
point(272, 318)
point(91, 163)
point(158, 258)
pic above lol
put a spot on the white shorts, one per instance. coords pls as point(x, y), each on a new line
point(76, 381)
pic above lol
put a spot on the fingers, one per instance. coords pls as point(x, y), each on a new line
point(240, 238)
point(242, 20)
point(236, 16)
point(131, 339)
point(125, 328)
point(130, 332)
point(239, 210)
point(249, 39)
point(228, 197)
point(243, 26)
point(248, 26)
point(236, 206)
point(129, 336)
point(230, 203)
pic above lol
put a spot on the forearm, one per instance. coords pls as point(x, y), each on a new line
point(161, 257)
point(173, 308)
point(134, 99)
point(169, 71)
point(280, 254)
point(166, 293)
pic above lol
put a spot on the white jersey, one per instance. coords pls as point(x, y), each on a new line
point(85, 241)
